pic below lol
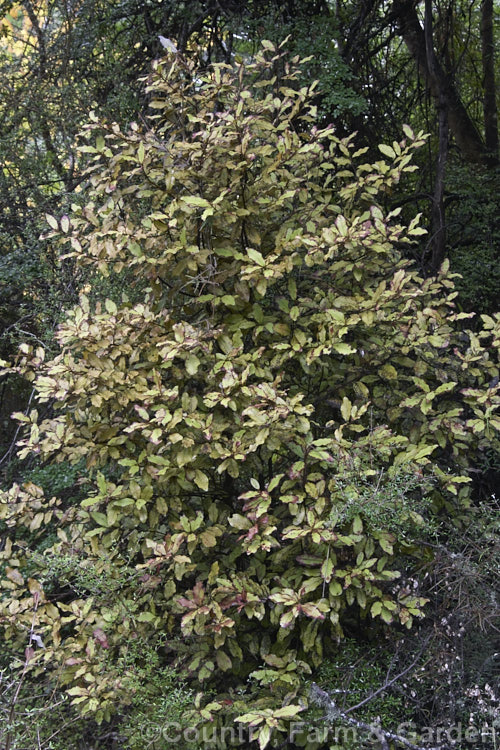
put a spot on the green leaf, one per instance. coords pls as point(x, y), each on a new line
point(264, 736)
point(288, 618)
point(386, 615)
point(110, 307)
point(357, 525)
point(343, 348)
point(386, 546)
point(388, 372)
point(387, 151)
point(192, 364)
point(125, 502)
point(208, 538)
point(238, 521)
point(77, 691)
point(274, 482)
point(195, 200)
point(52, 221)
point(341, 225)
point(89, 501)
point(99, 518)
point(335, 588)
point(223, 661)
point(146, 617)
point(253, 718)
point(135, 249)
point(345, 409)
point(256, 256)
point(408, 132)
point(201, 480)
point(327, 569)
point(287, 712)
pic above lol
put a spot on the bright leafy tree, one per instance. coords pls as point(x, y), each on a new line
point(246, 410)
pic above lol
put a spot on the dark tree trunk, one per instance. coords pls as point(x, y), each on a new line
point(438, 222)
point(438, 238)
point(439, 83)
point(489, 101)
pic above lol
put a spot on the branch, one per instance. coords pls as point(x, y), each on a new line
point(10, 450)
point(322, 698)
point(439, 83)
point(387, 684)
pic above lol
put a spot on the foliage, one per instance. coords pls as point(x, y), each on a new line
point(58, 60)
point(357, 671)
point(395, 504)
point(474, 235)
point(443, 675)
point(159, 697)
point(280, 344)
point(316, 38)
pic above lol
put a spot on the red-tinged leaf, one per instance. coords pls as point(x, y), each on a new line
point(100, 637)
point(312, 610)
point(188, 603)
point(14, 575)
point(288, 618)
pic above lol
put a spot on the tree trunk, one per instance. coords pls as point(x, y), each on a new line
point(439, 83)
point(489, 101)
point(438, 225)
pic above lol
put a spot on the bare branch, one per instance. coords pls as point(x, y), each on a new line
point(322, 698)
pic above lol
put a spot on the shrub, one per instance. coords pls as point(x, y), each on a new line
point(282, 347)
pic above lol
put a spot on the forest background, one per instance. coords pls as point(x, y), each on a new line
point(410, 74)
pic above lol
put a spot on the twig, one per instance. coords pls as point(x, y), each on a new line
point(8, 453)
point(322, 698)
point(388, 683)
point(27, 659)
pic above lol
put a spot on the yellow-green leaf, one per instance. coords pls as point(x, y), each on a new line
point(256, 256)
point(388, 372)
point(345, 409)
point(52, 221)
point(387, 151)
